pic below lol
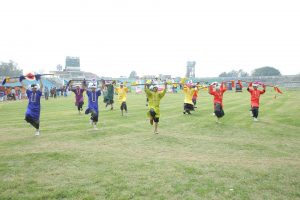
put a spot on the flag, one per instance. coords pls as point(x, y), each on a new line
point(30, 76)
point(133, 83)
point(21, 78)
point(10, 80)
point(277, 90)
point(38, 76)
point(182, 80)
point(232, 83)
point(69, 82)
point(5, 80)
point(240, 83)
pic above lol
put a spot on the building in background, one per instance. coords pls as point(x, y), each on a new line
point(72, 70)
point(72, 63)
point(190, 69)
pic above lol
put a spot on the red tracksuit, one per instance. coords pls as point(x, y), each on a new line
point(255, 94)
point(218, 95)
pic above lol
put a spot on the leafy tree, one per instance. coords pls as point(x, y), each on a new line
point(10, 69)
point(266, 71)
point(223, 74)
point(242, 73)
point(234, 73)
point(133, 74)
point(59, 67)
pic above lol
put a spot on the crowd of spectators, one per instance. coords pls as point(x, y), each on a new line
point(19, 93)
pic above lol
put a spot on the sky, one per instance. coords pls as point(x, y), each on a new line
point(114, 37)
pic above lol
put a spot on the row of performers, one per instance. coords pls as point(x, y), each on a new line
point(154, 97)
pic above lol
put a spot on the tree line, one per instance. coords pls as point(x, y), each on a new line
point(263, 71)
point(11, 69)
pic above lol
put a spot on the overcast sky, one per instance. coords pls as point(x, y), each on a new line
point(114, 37)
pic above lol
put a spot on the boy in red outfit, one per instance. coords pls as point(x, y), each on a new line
point(255, 94)
point(195, 95)
point(218, 99)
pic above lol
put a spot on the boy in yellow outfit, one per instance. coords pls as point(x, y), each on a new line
point(153, 104)
point(122, 95)
point(188, 105)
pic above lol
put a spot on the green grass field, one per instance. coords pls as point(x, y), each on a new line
point(192, 157)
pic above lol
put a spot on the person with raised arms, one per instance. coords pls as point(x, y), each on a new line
point(109, 97)
point(34, 93)
point(154, 101)
point(217, 91)
point(122, 95)
point(196, 93)
point(188, 91)
point(255, 95)
point(92, 109)
point(78, 91)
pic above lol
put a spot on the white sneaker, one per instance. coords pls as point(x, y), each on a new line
point(95, 127)
point(255, 119)
point(218, 121)
point(37, 133)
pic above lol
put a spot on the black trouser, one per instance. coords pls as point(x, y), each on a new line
point(254, 111)
point(34, 122)
point(152, 114)
point(109, 102)
point(188, 107)
point(219, 112)
point(123, 106)
point(79, 105)
point(94, 114)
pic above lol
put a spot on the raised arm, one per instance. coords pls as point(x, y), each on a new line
point(103, 85)
point(147, 91)
point(161, 95)
point(21, 81)
point(184, 88)
point(23, 85)
point(83, 84)
point(249, 85)
point(210, 89)
point(264, 89)
point(223, 87)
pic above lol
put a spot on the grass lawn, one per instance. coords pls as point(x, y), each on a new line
point(192, 157)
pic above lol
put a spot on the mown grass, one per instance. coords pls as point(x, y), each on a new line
point(191, 158)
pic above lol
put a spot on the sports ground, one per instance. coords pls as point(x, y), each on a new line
point(192, 157)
